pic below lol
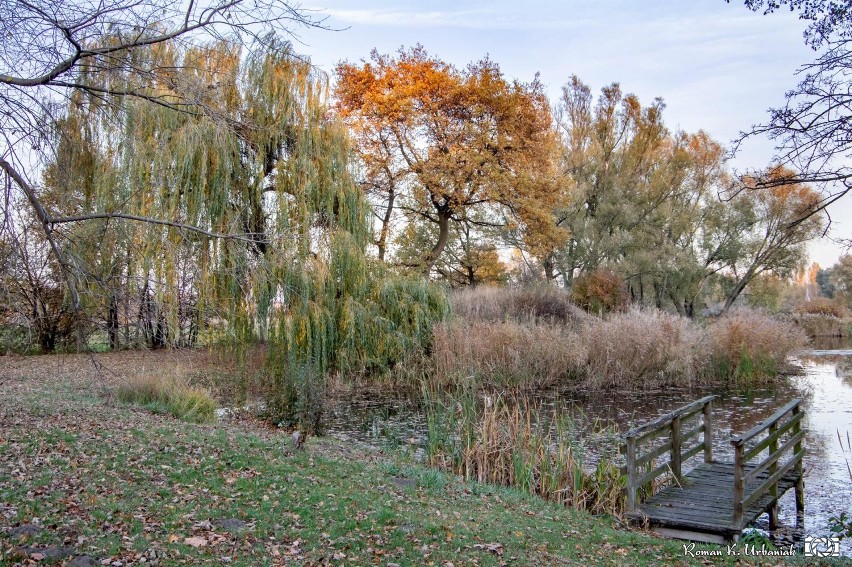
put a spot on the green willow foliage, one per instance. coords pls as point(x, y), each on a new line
point(240, 144)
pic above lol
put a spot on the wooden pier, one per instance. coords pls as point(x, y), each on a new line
point(714, 501)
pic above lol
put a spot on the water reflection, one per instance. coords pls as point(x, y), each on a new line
point(825, 386)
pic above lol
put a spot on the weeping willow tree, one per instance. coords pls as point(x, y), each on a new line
point(222, 188)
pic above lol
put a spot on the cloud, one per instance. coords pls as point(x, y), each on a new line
point(466, 19)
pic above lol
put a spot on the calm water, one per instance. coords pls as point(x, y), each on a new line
point(825, 386)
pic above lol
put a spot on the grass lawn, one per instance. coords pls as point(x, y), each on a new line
point(114, 482)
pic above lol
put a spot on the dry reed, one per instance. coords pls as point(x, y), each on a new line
point(821, 325)
point(747, 344)
point(542, 304)
point(511, 444)
point(642, 348)
point(505, 354)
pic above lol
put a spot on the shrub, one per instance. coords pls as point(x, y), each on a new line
point(539, 304)
point(600, 291)
point(821, 306)
point(505, 354)
point(167, 393)
point(642, 348)
point(15, 338)
point(295, 397)
point(748, 344)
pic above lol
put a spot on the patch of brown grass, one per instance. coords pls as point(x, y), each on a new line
point(819, 325)
point(541, 304)
point(821, 306)
point(505, 354)
point(227, 377)
point(642, 349)
point(750, 344)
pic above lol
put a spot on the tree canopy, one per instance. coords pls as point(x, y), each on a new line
point(447, 146)
point(54, 51)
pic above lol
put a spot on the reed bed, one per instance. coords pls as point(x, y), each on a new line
point(505, 354)
point(821, 324)
point(539, 304)
point(514, 443)
point(643, 348)
point(751, 346)
point(516, 338)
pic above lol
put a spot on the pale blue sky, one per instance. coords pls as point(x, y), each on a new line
point(718, 66)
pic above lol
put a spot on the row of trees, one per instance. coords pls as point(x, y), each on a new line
point(188, 170)
point(459, 165)
point(462, 163)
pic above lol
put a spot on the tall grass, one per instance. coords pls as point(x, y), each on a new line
point(509, 442)
point(820, 324)
point(541, 304)
point(821, 306)
point(747, 345)
point(518, 338)
point(505, 354)
point(642, 349)
point(169, 393)
point(845, 450)
point(841, 525)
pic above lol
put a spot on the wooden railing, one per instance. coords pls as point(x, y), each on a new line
point(642, 446)
point(747, 468)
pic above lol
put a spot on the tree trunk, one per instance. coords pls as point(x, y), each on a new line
point(738, 289)
point(548, 266)
point(382, 242)
point(443, 238)
point(112, 323)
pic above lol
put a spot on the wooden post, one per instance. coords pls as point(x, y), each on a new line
point(708, 432)
point(739, 485)
point(676, 443)
point(800, 479)
point(773, 468)
point(631, 474)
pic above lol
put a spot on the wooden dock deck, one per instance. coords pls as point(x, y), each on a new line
point(714, 501)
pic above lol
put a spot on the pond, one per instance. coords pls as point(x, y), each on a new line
point(825, 386)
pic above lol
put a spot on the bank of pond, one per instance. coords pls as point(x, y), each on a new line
point(567, 445)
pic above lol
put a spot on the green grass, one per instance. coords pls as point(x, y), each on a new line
point(121, 484)
point(169, 395)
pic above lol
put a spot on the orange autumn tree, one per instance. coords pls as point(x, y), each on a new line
point(442, 145)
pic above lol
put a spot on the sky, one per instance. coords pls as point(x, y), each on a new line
point(717, 66)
